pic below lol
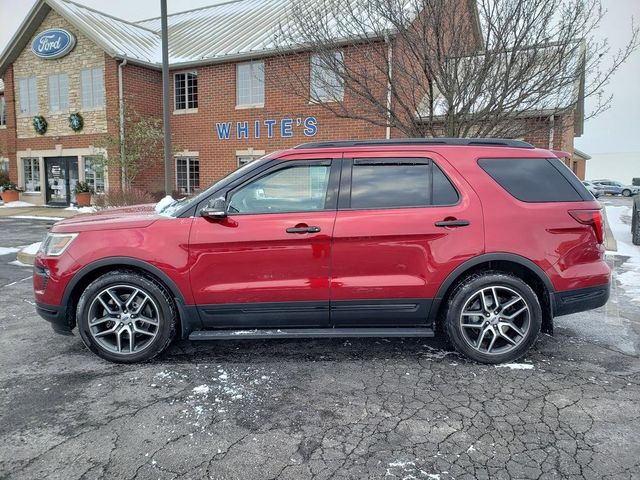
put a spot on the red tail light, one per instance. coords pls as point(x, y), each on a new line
point(590, 217)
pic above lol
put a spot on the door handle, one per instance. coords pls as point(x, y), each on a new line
point(303, 230)
point(453, 223)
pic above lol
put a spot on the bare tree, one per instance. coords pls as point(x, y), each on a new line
point(443, 67)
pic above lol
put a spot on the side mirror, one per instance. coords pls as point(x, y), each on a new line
point(215, 210)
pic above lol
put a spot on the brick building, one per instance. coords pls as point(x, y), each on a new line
point(68, 59)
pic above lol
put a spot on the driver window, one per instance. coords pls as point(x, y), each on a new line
point(296, 189)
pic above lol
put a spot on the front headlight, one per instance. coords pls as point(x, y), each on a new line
point(55, 244)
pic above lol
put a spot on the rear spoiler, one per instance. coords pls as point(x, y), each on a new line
point(560, 154)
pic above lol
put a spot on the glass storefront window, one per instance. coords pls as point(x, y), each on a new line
point(31, 168)
point(94, 173)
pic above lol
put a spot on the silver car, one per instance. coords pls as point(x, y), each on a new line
point(594, 189)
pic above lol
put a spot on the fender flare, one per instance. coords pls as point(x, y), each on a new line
point(487, 257)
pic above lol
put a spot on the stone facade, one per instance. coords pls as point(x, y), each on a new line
point(84, 55)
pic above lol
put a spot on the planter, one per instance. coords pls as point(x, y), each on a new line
point(83, 199)
point(10, 196)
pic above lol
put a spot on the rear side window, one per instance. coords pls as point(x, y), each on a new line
point(536, 180)
point(399, 183)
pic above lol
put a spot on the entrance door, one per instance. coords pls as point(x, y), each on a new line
point(62, 176)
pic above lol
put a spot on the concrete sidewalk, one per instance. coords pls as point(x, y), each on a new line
point(37, 212)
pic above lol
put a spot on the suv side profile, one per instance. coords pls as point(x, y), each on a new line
point(405, 238)
point(611, 187)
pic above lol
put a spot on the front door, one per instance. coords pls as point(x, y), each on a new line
point(61, 179)
point(401, 226)
point(268, 263)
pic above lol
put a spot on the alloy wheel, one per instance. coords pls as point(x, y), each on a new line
point(495, 320)
point(124, 319)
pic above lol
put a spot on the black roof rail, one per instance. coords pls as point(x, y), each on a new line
point(478, 142)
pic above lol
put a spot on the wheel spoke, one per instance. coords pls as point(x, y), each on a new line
point(493, 341)
point(115, 298)
point(511, 303)
point(513, 327)
point(142, 331)
point(141, 304)
point(99, 321)
point(107, 332)
point(131, 298)
point(119, 340)
point(485, 307)
point(107, 307)
point(496, 301)
point(472, 325)
point(481, 338)
point(131, 340)
point(514, 315)
point(148, 320)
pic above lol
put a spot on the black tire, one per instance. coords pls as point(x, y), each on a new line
point(469, 287)
point(626, 192)
point(635, 222)
point(160, 299)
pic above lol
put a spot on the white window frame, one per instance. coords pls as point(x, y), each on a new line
point(59, 90)
point(187, 108)
point(189, 159)
point(319, 79)
point(256, 81)
point(3, 112)
point(28, 90)
point(92, 95)
point(34, 162)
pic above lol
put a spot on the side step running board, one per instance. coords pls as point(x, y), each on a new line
point(310, 333)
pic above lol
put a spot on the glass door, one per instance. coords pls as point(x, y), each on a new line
point(62, 175)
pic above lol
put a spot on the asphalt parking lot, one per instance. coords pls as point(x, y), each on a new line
point(366, 408)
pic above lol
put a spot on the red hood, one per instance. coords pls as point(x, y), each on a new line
point(137, 216)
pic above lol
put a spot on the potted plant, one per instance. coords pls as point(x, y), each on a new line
point(83, 194)
point(10, 192)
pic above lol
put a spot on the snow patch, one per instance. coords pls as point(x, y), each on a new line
point(630, 277)
point(8, 250)
point(18, 204)
point(164, 203)
point(18, 263)
point(516, 366)
point(201, 390)
point(32, 249)
point(82, 209)
point(35, 217)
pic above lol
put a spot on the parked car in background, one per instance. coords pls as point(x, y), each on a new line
point(595, 190)
point(400, 238)
point(635, 221)
point(611, 187)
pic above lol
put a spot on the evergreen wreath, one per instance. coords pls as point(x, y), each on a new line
point(76, 122)
point(40, 124)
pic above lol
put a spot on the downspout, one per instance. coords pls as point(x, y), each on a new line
point(389, 87)
point(552, 131)
point(121, 66)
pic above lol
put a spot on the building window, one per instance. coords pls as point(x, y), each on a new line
point(4, 165)
point(3, 111)
point(250, 84)
point(187, 174)
point(92, 87)
point(31, 168)
point(186, 90)
point(94, 173)
point(28, 95)
point(58, 92)
point(327, 83)
point(244, 159)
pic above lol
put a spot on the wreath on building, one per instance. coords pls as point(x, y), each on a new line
point(40, 124)
point(76, 122)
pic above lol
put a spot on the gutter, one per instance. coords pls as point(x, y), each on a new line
point(389, 86)
point(121, 66)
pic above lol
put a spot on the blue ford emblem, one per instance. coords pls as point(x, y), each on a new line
point(53, 43)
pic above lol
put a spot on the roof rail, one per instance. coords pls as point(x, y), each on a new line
point(478, 142)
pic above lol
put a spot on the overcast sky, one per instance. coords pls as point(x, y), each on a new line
point(617, 130)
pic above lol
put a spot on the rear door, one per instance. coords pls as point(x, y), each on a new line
point(404, 222)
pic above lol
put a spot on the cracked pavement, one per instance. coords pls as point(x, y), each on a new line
point(292, 409)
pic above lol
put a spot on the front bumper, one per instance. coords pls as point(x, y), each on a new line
point(58, 316)
point(580, 300)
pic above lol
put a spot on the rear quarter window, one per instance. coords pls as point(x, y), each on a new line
point(536, 180)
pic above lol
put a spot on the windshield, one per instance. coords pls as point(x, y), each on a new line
point(177, 206)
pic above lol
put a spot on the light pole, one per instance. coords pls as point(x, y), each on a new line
point(165, 99)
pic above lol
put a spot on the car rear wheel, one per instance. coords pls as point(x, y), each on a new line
point(493, 317)
point(126, 317)
point(626, 192)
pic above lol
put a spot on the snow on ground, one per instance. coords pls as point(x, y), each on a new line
point(7, 250)
point(165, 202)
point(18, 204)
point(18, 263)
point(82, 209)
point(630, 277)
point(516, 366)
point(32, 249)
point(35, 217)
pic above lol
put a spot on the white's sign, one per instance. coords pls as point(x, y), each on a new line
point(53, 43)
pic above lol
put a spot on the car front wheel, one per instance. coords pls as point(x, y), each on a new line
point(626, 193)
point(126, 317)
point(493, 317)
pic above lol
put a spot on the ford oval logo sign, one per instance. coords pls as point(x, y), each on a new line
point(53, 43)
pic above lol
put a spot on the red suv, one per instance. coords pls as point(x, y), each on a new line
point(484, 241)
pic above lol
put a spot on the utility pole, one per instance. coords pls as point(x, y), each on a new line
point(165, 100)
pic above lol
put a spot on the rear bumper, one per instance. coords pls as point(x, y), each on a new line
point(580, 300)
point(57, 316)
